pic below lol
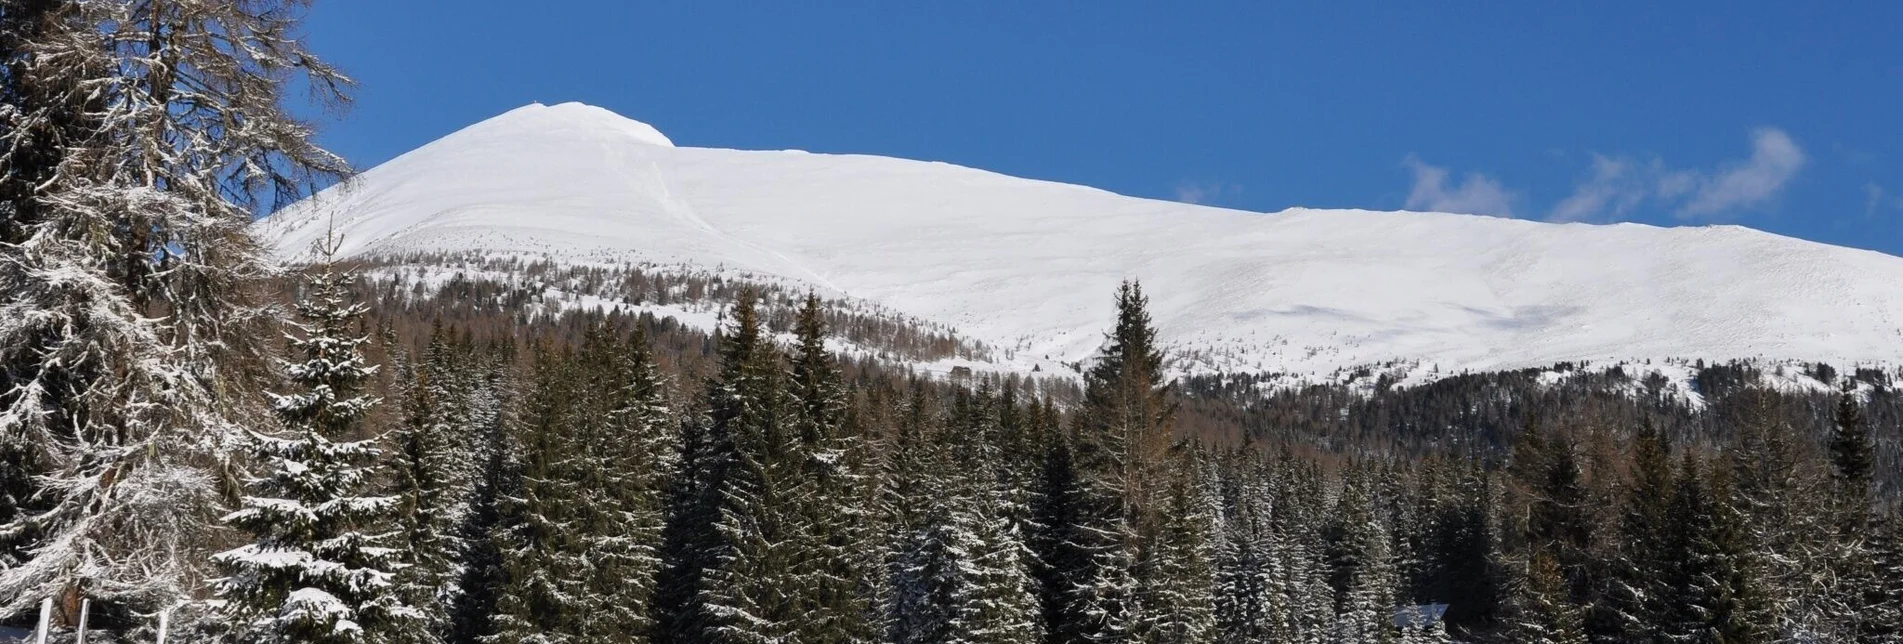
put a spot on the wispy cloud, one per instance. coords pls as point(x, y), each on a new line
point(1617, 186)
point(1205, 192)
point(1775, 160)
point(1876, 199)
point(1476, 194)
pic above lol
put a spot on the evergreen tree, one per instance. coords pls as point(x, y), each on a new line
point(1881, 618)
point(835, 574)
point(1058, 543)
point(1178, 593)
point(1849, 562)
point(426, 485)
point(622, 457)
point(481, 574)
point(1362, 570)
point(132, 333)
point(545, 598)
point(318, 568)
point(1542, 611)
point(1640, 596)
point(739, 532)
point(963, 574)
point(1773, 490)
point(1852, 456)
point(1712, 590)
point(1124, 428)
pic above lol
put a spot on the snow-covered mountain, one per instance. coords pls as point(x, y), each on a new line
point(1029, 266)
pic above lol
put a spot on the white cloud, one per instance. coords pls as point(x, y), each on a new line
point(1204, 192)
point(1615, 187)
point(1875, 198)
point(1775, 160)
point(1476, 194)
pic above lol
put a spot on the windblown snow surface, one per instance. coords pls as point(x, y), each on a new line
point(1031, 266)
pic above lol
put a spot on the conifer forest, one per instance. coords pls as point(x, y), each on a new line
point(201, 444)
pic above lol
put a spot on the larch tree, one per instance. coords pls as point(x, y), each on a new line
point(132, 333)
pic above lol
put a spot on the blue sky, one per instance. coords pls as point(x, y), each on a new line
point(1776, 115)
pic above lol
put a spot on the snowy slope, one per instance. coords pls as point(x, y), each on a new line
point(1031, 265)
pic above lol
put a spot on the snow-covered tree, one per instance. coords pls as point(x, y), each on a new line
point(1541, 613)
point(1124, 431)
point(964, 571)
point(837, 535)
point(625, 458)
point(1177, 571)
point(428, 465)
point(1362, 567)
point(319, 568)
point(130, 331)
point(545, 594)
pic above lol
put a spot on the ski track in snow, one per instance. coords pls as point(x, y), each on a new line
point(1030, 266)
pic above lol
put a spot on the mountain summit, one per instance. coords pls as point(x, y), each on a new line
point(1029, 266)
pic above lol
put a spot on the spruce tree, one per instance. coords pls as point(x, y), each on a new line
point(427, 485)
point(1177, 562)
point(1852, 572)
point(836, 534)
point(625, 457)
point(1542, 612)
point(319, 566)
point(1639, 594)
point(1712, 585)
point(544, 597)
point(963, 571)
point(481, 577)
point(737, 530)
point(1062, 557)
point(1881, 619)
point(1361, 568)
point(1124, 428)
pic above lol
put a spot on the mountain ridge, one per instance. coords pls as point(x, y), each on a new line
point(1028, 265)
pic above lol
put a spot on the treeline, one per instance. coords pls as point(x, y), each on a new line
point(792, 503)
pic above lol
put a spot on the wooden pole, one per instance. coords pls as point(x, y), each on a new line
point(46, 619)
point(165, 618)
point(85, 611)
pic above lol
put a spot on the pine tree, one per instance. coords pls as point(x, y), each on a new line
point(131, 329)
point(319, 568)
